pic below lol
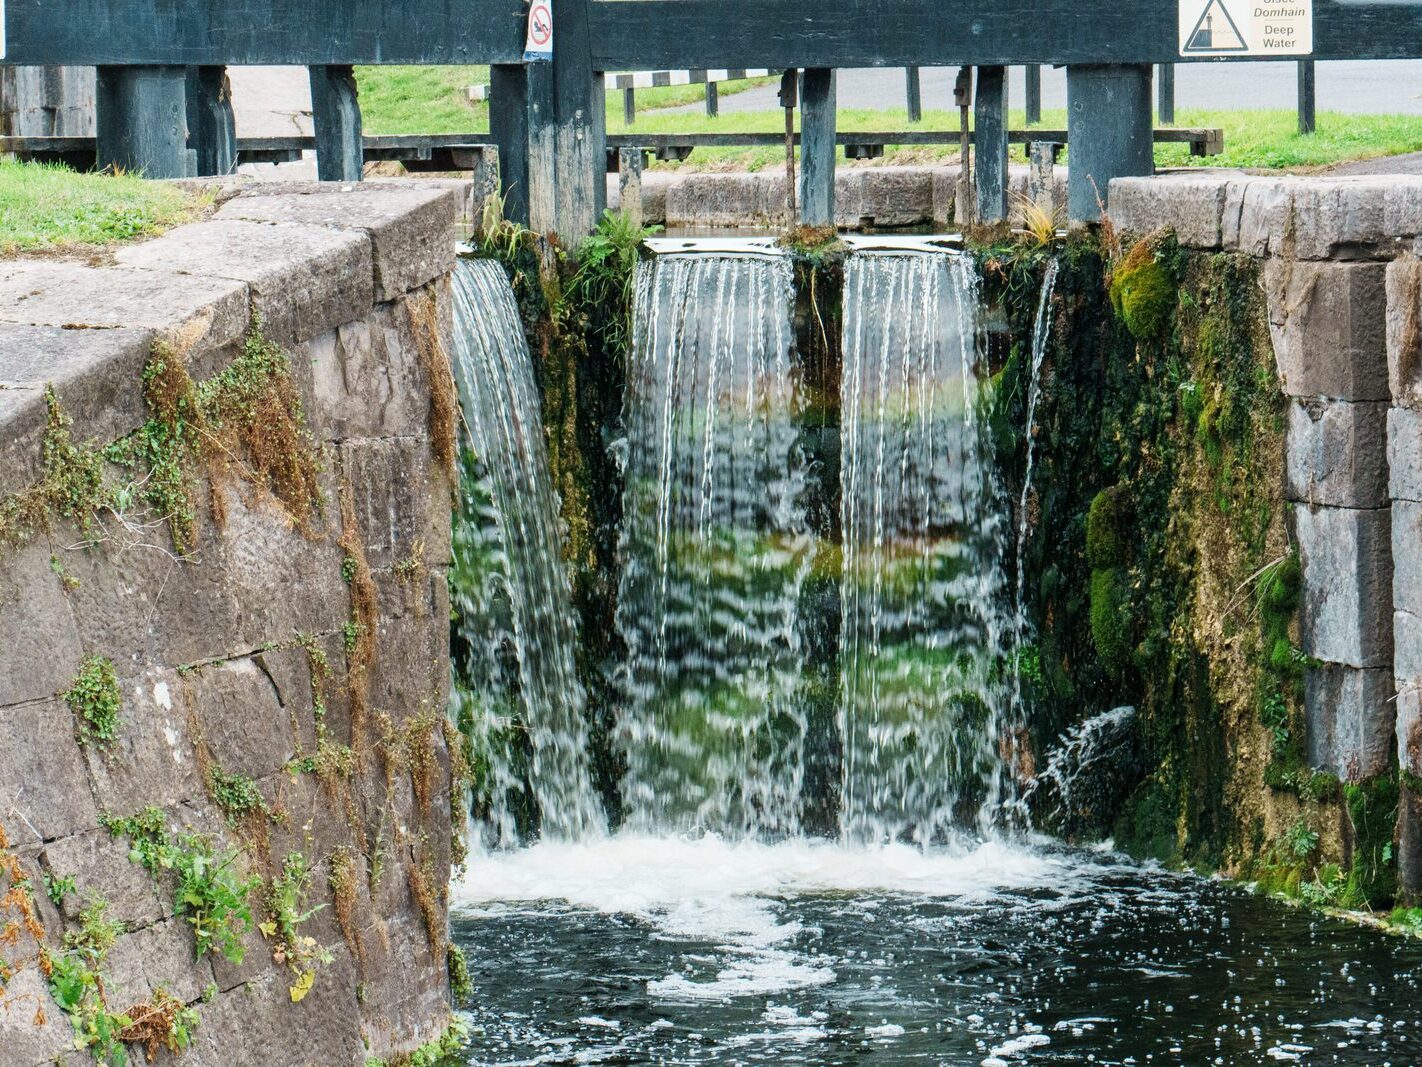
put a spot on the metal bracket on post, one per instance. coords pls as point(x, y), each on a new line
point(212, 128)
point(789, 97)
point(335, 114)
point(990, 136)
point(141, 120)
point(817, 147)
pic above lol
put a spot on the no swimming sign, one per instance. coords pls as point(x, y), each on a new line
point(1281, 28)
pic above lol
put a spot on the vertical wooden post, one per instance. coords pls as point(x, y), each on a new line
point(913, 92)
point(1034, 94)
point(141, 120)
point(1041, 178)
point(1108, 131)
point(713, 100)
point(1165, 94)
point(629, 106)
point(817, 147)
point(212, 128)
point(508, 129)
point(1307, 96)
point(963, 98)
point(990, 141)
point(789, 97)
point(46, 101)
point(335, 114)
point(629, 184)
point(580, 126)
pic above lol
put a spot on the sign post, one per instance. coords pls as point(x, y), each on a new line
point(538, 43)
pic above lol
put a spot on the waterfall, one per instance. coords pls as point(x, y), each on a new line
point(1041, 333)
point(517, 635)
point(715, 548)
point(922, 626)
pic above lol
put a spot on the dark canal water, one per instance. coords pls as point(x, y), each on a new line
point(640, 950)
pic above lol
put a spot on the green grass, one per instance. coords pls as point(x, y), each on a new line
point(436, 99)
point(44, 206)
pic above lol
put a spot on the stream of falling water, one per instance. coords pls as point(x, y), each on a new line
point(517, 629)
point(715, 547)
point(1041, 334)
point(922, 603)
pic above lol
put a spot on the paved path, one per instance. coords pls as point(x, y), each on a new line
point(1381, 87)
point(273, 102)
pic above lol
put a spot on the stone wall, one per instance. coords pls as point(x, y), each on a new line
point(1344, 287)
point(279, 659)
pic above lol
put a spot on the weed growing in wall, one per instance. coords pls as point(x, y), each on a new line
point(208, 892)
point(288, 907)
point(95, 700)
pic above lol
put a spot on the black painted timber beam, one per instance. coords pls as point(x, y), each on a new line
point(305, 33)
point(680, 34)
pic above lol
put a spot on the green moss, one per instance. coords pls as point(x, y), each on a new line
point(443, 1051)
point(236, 794)
point(95, 700)
point(1105, 526)
point(1110, 625)
point(1372, 818)
point(461, 985)
point(1143, 287)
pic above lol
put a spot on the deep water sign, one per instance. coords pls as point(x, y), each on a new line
point(1280, 28)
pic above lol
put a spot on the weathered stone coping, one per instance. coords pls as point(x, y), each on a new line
point(1296, 217)
point(306, 257)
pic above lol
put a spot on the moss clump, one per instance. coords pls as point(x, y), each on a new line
point(71, 486)
point(95, 700)
point(1105, 529)
point(1110, 624)
point(443, 1051)
point(461, 985)
point(1372, 819)
point(1143, 286)
point(236, 794)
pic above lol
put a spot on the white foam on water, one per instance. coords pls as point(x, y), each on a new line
point(708, 889)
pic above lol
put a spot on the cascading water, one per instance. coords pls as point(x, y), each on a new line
point(1041, 333)
point(517, 634)
point(922, 604)
point(715, 548)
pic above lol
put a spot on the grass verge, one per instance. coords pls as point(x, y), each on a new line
point(49, 207)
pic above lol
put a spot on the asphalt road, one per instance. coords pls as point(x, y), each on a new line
point(1384, 87)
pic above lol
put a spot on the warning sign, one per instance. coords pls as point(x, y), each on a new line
point(1246, 28)
point(539, 42)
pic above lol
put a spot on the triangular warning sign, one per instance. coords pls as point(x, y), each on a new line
point(1215, 32)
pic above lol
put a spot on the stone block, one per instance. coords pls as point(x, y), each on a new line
point(44, 789)
point(1256, 216)
point(1404, 453)
point(153, 761)
point(1350, 720)
point(304, 279)
point(366, 377)
point(1337, 453)
point(411, 225)
point(1347, 584)
point(32, 1030)
point(1404, 331)
point(40, 646)
point(1402, 206)
point(189, 312)
point(99, 862)
point(1407, 648)
point(1191, 204)
point(159, 956)
point(97, 378)
point(883, 196)
point(1327, 321)
point(1407, 557)
point(1336, 218)
point(1409, 724)
point(239, 708)
point(400, 498)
